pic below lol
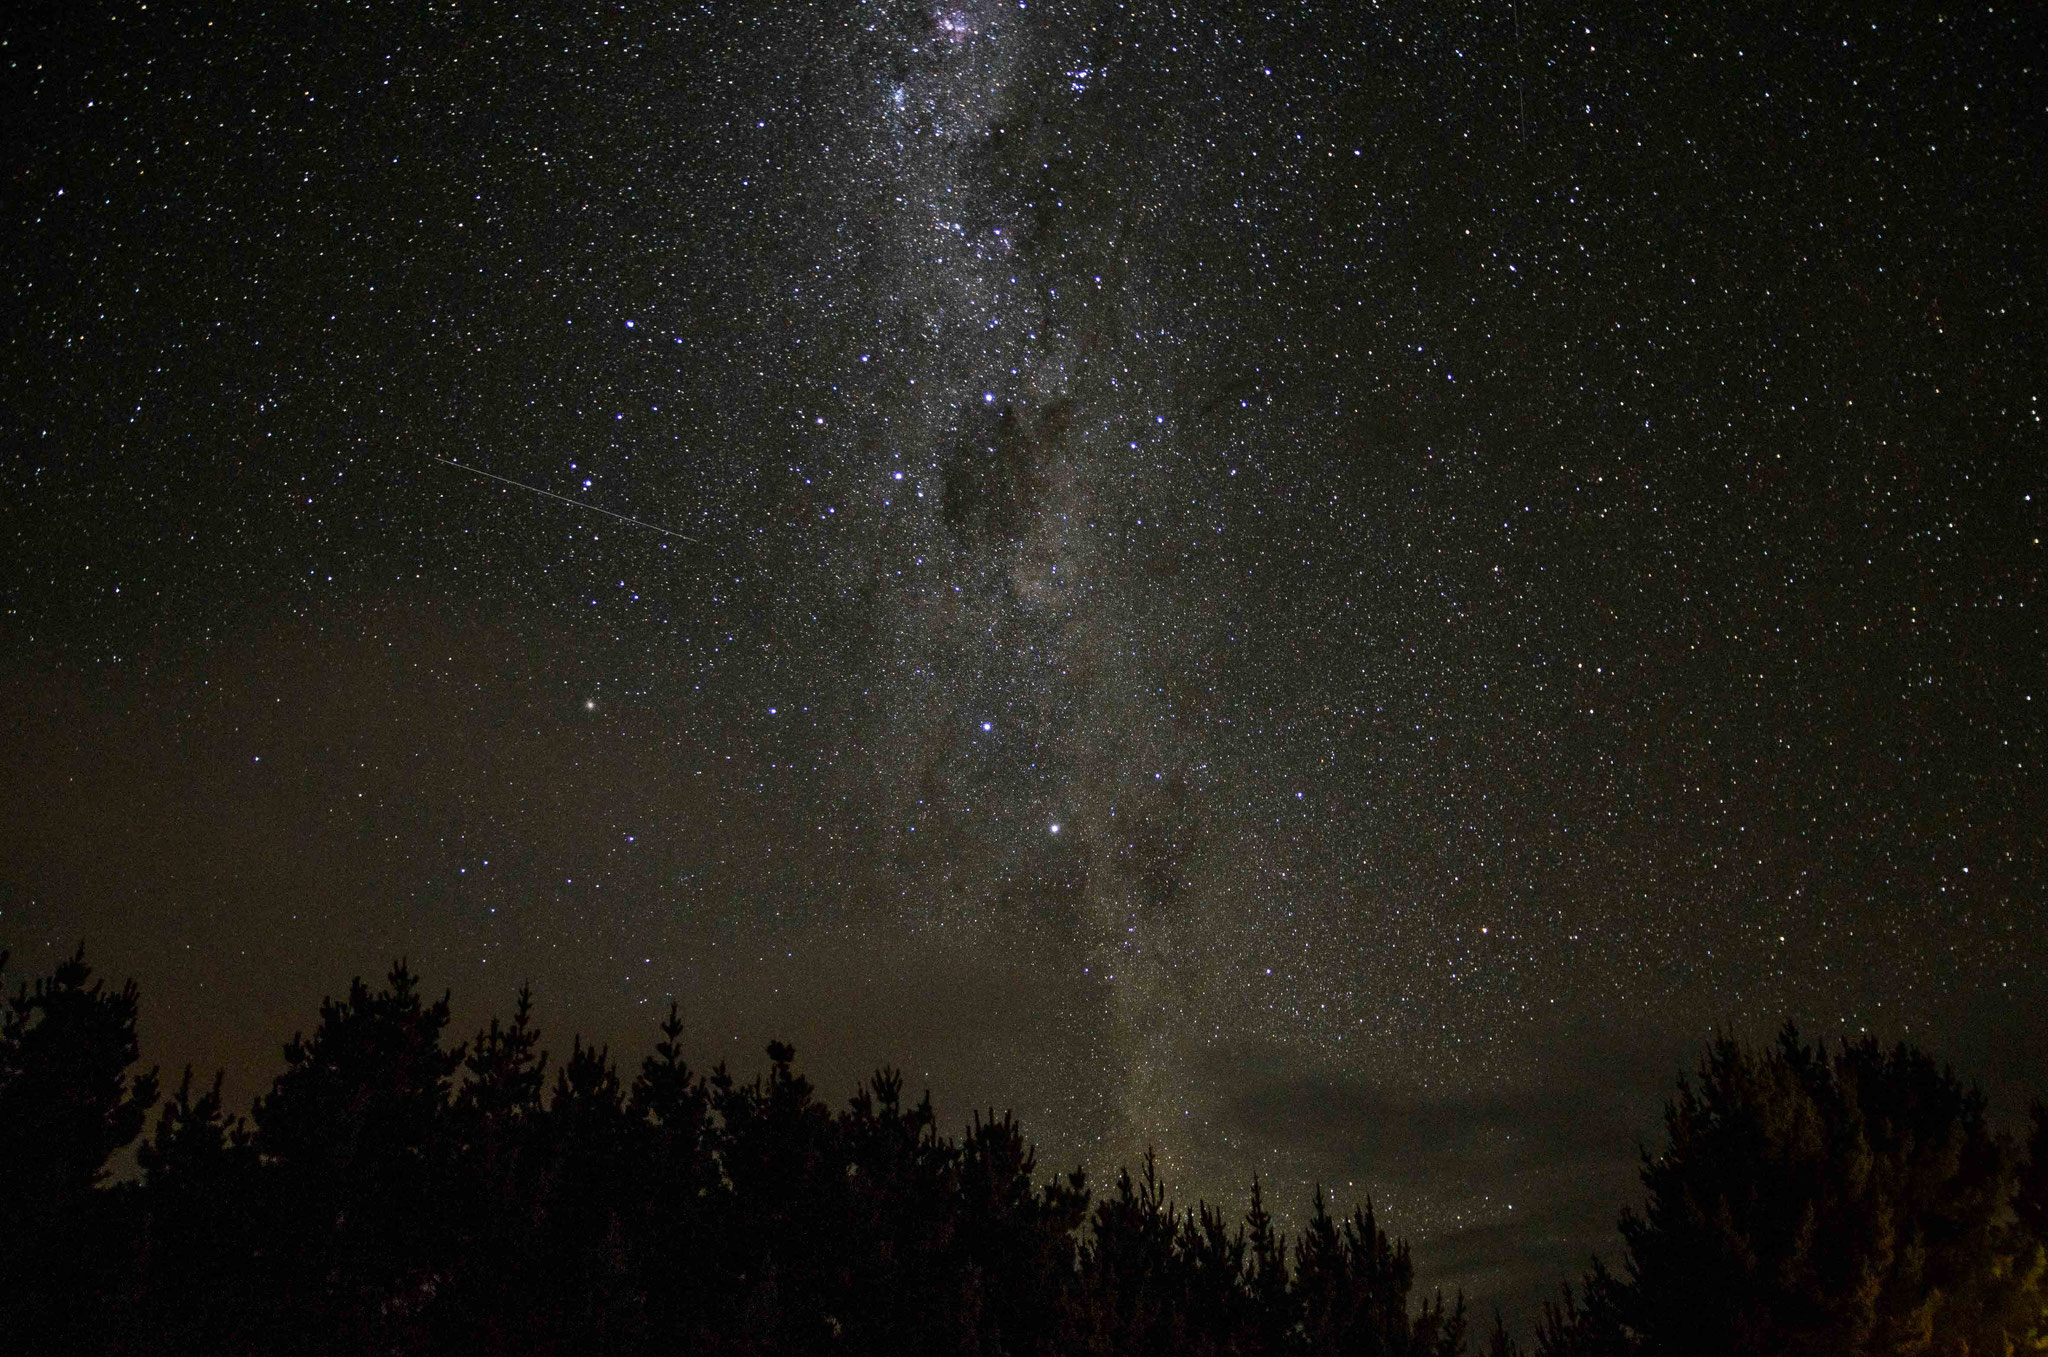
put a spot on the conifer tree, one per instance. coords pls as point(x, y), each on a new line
point(507, 1071)
point(69, 1102)
point(200, 1192)
point(1127, 1265)
point(2030, 1221)
point(354, 1132)
point(498, 1166)
point(1266, 1278)
point(1854, 1202)
point(1587, 1322)
point(682, 1203)
point(1499, 1342)
point(592, 1149)
point(1353, 1283)
point(1018, 1235)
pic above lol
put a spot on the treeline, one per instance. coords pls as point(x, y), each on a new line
point(392, 1193)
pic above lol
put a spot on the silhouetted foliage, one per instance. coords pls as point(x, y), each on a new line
point(1853, 1202)
point(390, 1194)
point(68, 1104)
point(1499, 1342)
point(2030, 1197)
point(67, 1101)
point(199, 1181)
point(1586, 1323)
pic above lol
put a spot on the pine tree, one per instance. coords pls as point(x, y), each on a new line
point(200, 1189)
point(787, 1170)
point(506, 1072)
point(594, 1152)
point(1586, 1323)
point(499, 1167)
point(1851, 1202)
point(683, 1204)
point(2030, 1227)
point(1499, 1343)
point(1854, 1202)
point(1127, 1267)
point(1270, 1288)
point(1014, 1238)
point(1354, 1281)
point(2030, 1193)
point(68, 1102)
point(355, 1133)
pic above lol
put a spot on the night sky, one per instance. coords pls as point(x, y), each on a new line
point(1326, 587)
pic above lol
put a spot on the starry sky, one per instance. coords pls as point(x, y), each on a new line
point(1326, 587)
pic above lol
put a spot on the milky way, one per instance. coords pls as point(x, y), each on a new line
point(1325, 589)
point(1055, 759)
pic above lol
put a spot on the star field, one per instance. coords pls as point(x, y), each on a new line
point(1328, 588)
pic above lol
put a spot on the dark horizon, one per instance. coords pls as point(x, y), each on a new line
point(1330, 590)
point(396, 1190)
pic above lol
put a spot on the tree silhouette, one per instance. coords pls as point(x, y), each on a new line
point(354, 1133)
point(1586, 1323)
point(682, 1197)
point(2030, 1194)
point(1499, 1342)
point(1353, 1283)
point(67, 1099)
point(393, 1195)
point(199, 1187)
point(1854, 1202)
point(68, 1104)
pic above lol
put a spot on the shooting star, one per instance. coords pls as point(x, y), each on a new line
point(577, 503)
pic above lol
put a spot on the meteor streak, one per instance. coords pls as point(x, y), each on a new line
point(577, 503)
